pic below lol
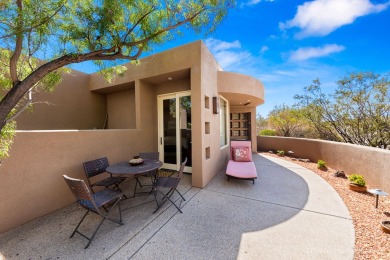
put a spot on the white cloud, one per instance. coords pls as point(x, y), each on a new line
point(321, 17)
point(216, 45)
point(228, 54)
point(254, 2)
point(315, 52)
point(264, 49)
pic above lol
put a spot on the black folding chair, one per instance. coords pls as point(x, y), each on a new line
point(168, 184)
point(92, 202)
point(97, 167)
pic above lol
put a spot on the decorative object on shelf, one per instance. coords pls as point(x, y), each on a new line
point(136, 161)
point(385, 225)
point(357, 183)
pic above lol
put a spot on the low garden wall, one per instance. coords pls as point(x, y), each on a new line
point(372, 163)
point(31, 178)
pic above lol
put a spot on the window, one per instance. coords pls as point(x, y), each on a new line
point(223, 122)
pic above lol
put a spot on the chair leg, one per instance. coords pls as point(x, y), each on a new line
point(75, 230)
point(180, 195)
point(104, 217)
point(166, 196)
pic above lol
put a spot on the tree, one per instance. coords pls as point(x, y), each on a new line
point(358, 112)
point(261, 122)
point(63, 32)
point(287, 121)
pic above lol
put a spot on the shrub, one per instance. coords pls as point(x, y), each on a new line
point(280, 152)
point(267, 132)
point(357, 179)
point(321, 164)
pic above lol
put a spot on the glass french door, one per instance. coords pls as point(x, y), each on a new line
point(174, 130)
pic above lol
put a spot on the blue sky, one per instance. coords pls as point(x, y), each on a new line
point(288, 43)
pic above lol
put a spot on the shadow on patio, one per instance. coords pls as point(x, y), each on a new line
point(290, 212)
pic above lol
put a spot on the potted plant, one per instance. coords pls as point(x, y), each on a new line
point(321, 165)
point(385, 225)
point(357, 183)
point(280, 153)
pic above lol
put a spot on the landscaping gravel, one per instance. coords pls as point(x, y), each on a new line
point(370, 241)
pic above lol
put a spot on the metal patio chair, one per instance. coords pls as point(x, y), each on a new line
point(162, 184)
point(95, 168)
point(93, 202)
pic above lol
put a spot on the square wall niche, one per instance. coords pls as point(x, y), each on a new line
point(207, 152)
point(207, 127)
point(207, 102)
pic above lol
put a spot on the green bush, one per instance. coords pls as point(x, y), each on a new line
point(321, 164)
point(267, 132)
point(280, 152)
point(357, 179)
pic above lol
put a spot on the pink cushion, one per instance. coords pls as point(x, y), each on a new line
point(241, 154)
point(241, 144)
point(241, 169)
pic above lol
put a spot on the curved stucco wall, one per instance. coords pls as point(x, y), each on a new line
point(233, 84)
point(372, 163)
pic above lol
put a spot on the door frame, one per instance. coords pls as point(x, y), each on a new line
point(160, 126)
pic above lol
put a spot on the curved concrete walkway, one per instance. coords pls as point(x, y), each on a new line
point(290, 213)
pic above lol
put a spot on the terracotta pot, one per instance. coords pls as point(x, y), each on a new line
point(385, 225)
point(357, 188)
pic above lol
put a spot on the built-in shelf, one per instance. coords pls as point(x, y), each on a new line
point(207, 127)
point(207, 102)
point(207, 152)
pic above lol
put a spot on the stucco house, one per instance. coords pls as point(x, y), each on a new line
point(179, 102)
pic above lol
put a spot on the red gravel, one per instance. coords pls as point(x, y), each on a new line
point(370, 241)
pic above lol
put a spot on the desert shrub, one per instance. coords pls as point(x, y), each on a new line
point(267, 132)
point(357, 179)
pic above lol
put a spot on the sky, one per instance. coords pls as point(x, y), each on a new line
point(286, 44)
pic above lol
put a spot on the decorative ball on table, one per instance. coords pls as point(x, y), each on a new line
point(136, 161)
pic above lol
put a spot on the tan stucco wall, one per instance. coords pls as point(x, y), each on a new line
point(70, 106)
point(203, 81)
point(209, 87)
point(121, 110)
point(372, 163)
point(31, 178)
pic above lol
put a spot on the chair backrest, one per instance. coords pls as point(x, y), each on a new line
point(241, 144)
point(150, 155)
point(95, 167)
point(181, 171)
point(78, 188)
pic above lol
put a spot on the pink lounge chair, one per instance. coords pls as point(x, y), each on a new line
point(240, 164)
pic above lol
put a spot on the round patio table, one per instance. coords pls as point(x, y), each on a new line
point(126, 170)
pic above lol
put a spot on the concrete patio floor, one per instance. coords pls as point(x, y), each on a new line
point(290, 213)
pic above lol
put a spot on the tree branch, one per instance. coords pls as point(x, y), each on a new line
point(18, 46)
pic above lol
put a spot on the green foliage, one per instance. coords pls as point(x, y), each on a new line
point(261, 123)
point(321, 164)
point(358, 112)
point(280, 152)
point(357, 179)
point(7, 135)
point(288, 121)
point(267, 132)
